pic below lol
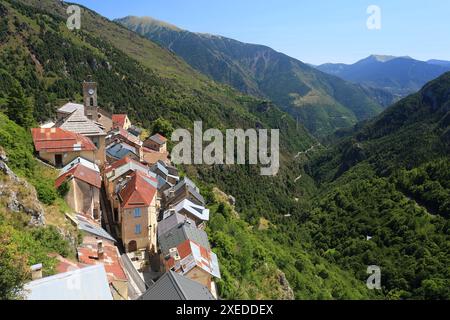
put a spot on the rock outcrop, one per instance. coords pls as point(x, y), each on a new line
point(17, 195)
point(287, 292)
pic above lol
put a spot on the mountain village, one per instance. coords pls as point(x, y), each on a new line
point(142, 225)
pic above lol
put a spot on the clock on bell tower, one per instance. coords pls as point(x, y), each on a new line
point(90, 100)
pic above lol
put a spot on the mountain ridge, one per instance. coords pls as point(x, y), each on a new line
point(398, 75)
point(321, 102)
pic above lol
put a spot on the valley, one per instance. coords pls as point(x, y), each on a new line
point(363, 165)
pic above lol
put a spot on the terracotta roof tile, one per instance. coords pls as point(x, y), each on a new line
point(82, 173)
point(119, 120)
point(55, 140)
point(87, 254)
point(138, 192)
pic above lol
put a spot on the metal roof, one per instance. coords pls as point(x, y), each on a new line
point(120, 167)
point(188, 207)
point(160, 166)
point(90, 283)
point(173, 286)
point(81, 161)
point(57, 140)
point(120, 150)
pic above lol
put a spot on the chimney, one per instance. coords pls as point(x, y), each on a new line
point(100, 252)
point(36, 271)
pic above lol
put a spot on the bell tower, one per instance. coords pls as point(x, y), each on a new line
point(90, 100)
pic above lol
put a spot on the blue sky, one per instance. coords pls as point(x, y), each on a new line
point(314, 31)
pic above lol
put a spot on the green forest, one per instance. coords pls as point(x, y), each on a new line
point(378, 194)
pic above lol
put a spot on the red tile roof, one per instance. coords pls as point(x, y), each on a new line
point(65, 265)
point(119, 120)
point(55, 140)
point(160, 139)
point(88, 254)
point(82, 173)
point(185, 249)
point(138, 192)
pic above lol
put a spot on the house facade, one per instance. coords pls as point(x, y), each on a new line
point(156, 143)
point(138, 214)
point(84, 188)
point(121, 121)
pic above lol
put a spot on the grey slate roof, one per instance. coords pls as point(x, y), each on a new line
point(173, 286)
point(171, 222)
point(181, 233)
point(86, 226)
point(71, 107)
point(188, 184)
point(79, 123)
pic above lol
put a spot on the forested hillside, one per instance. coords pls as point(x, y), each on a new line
point(42, 63)
point(390, 182)
point(302, 234)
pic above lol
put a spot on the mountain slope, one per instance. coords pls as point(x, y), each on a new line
point(442, 63)
point(48, 62)
point(384, 197)
point(323, 103)
point(397, 75)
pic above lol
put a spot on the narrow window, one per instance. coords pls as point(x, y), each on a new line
point(137, 229)
point(137, 212)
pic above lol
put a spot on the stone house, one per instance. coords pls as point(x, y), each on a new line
point(85, 183)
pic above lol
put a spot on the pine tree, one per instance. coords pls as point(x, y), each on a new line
point(19, 108)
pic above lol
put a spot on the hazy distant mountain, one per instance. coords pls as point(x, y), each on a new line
point(442, 63)
point(398, 75)
point(322, 102)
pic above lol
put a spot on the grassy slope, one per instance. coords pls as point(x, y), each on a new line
point(33, 244)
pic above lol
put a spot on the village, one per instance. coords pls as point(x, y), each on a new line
point(142, 225)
